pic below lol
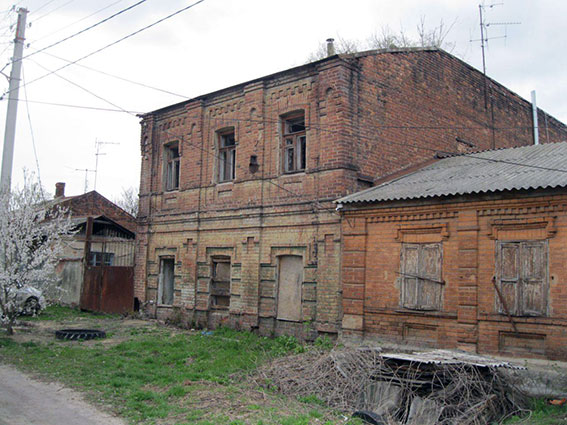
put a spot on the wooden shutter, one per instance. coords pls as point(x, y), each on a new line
point(429, 289)
point(509, 276)
point(410, 271)
point(534, 278)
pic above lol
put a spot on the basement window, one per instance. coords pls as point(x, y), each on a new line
point(171, 156)
point(227, 156)
point(220, 282)
point(101, 258)
point(294, 143)
point(422, 284)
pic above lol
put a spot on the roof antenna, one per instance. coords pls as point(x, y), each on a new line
point(98, 144)
point(484, 39)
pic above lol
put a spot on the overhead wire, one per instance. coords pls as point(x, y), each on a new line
point(117, 41)
point(118, 77)
point(52, 11)
point(77, 21)
point(43, 6)
point(32, 138)
point(90, 27)
point(82, 88)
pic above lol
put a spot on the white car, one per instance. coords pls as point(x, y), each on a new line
point(30, 300)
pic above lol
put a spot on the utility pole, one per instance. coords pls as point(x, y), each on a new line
point(14, 88)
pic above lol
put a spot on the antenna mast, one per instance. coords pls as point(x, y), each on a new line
point(99, 153)
point(484, 40)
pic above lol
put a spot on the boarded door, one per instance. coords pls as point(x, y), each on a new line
point(290, 279)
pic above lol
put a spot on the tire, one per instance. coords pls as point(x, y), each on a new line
point(31, 307)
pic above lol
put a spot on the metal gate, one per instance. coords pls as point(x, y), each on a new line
point(108, 289)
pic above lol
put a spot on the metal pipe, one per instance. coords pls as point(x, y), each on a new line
point(534, 112)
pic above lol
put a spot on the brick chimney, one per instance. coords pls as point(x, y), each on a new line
point(60, 190)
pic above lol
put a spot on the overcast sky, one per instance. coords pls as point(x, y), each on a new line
point(218, 43)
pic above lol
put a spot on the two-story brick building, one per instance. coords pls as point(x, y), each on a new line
point(237, 223)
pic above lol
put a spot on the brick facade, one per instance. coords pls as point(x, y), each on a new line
point(469, 230)
point(366, 116)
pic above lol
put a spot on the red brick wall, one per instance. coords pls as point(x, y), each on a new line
point(94, 204)
point(347, 102)
point(468, 319)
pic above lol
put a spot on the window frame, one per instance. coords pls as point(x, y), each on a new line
point(226, 152)
point(522, 280)
point(161, 283)
point(217, 291)
point(294, 143)
point(99, 258)
point(427, 285)
point(172, 156)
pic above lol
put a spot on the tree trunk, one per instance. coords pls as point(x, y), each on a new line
point(10, 328)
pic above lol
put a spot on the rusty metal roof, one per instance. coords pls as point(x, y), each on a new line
point(527, 167)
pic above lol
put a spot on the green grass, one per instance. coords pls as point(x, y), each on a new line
point(155, 374)
point(542, 414)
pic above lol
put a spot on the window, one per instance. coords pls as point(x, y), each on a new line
point(166, 278)
point(421, 276)
point(220, 282)
point(171, 155)
point(522, 278)
point(227, 156)
point(294, 144)
point(290, 280)
point(101, 259)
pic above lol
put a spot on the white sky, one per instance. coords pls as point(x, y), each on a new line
point(219, 43)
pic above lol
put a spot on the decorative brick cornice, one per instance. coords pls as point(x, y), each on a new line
point(434, 215)
point(439, 230)
point(536, 209)
point(544, 223)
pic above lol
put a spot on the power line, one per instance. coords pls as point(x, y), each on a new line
point(118, 41)
point(82, 88)
point(80, 20)
point(118, 77)
point(86, 29)
point(66, 105)
point(54, 10)
point(43, 6)
point(32, 137)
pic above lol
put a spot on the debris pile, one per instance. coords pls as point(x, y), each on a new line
point(437, 387)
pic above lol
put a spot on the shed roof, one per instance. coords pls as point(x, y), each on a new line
point(527, 167)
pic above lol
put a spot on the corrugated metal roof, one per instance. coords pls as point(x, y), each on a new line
point(527, 167)
point(450, 357)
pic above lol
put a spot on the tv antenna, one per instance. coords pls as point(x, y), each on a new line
point(484, 38)
point(87, 171)
point(98, 153)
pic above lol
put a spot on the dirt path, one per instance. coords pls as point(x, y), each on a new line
point(26, 401)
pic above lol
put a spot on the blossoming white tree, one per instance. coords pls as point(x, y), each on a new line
point(31, 234)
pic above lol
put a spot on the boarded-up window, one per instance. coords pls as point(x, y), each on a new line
point(421, 276)
point(290, 279)
point(165, 288)
point(220, 282)
point(522, 277)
